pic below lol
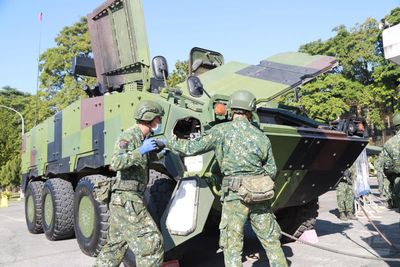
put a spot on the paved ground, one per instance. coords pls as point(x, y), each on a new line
point(20, 248)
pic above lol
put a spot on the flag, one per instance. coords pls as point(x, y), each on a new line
point(40, 16)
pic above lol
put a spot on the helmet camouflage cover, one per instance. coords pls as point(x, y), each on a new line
point(243, 100)
point(396, 119)
point(147, 110)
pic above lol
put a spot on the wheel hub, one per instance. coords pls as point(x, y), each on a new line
point(48, 209)
point(86, 216)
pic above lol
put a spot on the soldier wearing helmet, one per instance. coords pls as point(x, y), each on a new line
point(389, 160)
point(243, 152)
point(128, 214)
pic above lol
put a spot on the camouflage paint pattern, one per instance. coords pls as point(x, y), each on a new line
point(80, 139)
point(241, 149)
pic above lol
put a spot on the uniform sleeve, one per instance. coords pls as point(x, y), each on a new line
point(269, 165)
point(126, 153)
point(379, 165)
point(197, 146)
point(386, 159)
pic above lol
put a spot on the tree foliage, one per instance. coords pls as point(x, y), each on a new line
point(57, 90)
point(363, 79)
point(179, 74)
point(58, 87)
point(10, 134)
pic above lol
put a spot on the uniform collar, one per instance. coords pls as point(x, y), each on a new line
point(241, 120)
point(136, 130)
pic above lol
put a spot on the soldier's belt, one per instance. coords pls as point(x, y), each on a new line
point(252, 189)
point(129, 185)
point(234, 182)
point(231, 182)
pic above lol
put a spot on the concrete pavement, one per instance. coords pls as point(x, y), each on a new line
point(20, 248)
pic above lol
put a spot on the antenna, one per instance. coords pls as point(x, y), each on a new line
point(40, 17)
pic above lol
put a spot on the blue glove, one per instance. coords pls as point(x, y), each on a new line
point(148, 146)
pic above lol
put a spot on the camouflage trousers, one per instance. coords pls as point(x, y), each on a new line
point(380, 177)
point(234, 215)
point(391, 191)
point(131, 226)
point(345, 197)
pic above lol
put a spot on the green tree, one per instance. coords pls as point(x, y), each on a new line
point(10, 173)
point(334, 94)
point(10, 133)
point(58, 87)
point(179, 74)
point(365, 79)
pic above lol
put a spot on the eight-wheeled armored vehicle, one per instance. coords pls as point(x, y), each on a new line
point(63, 156)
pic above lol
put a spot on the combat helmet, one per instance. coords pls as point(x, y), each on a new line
point(243, 100)
point(147, 110)
point(396, 119)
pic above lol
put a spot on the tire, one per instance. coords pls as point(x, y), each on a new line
point(296, 220)
point(58, 209)
point(33, 207)
point(90, 217)
point(158, 193)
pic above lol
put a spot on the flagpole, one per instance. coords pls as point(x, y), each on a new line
point(38, 63)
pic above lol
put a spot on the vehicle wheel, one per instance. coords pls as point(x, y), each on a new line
point(33, 207)
point(91, 217)
point(158, 194)
point(296, 220)
point(57, 206)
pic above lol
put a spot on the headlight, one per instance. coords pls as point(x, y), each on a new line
point(182, 213)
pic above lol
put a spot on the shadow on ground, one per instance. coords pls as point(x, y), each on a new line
point(204, 247)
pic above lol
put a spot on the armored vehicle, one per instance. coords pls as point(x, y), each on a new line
point(63, 156)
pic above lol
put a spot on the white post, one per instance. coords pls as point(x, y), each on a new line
point(21, 196)
point(22, 119)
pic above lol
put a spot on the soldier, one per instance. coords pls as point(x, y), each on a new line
point(131, 225)
point(384, 183)
point(345, 195)
point(379, 174)
point(390, 158)
point(242, 151)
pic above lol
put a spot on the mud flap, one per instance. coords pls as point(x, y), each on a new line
point(191, 191)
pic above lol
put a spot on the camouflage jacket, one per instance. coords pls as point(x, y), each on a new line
point(378, 164)
point(390, 156)
point(240, 148)
point(127, 160)
point(350, 174)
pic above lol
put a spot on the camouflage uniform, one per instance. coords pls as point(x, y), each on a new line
point(345, 194)
point(241, 150)
point(390, 158)
point(379, 174)
point(131, 225)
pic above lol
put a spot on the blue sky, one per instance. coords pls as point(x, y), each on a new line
point(245, 31)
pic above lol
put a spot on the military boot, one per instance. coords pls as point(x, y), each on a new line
point(351, 216)
point(342, 216)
